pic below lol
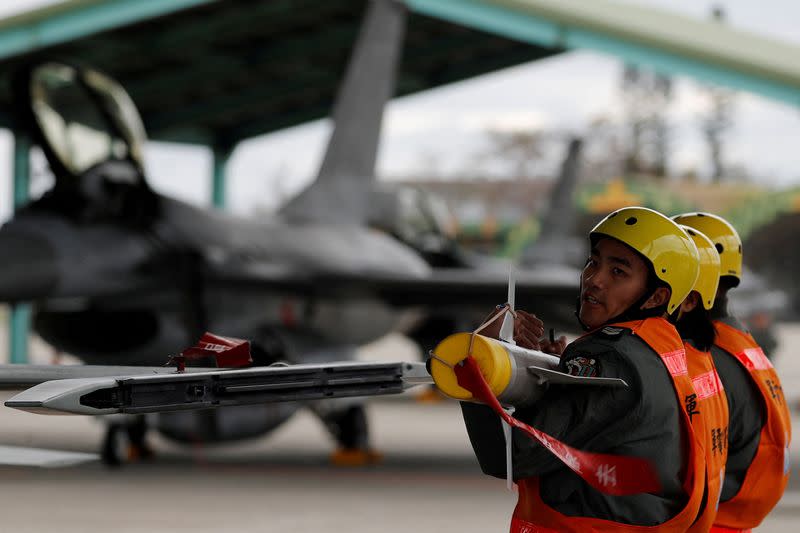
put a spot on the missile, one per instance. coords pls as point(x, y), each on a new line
point(205, 389)
point(517, 376)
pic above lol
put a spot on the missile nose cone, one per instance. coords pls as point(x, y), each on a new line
point(28, 267)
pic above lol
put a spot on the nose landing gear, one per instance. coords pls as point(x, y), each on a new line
point(350, 429)
point(125, 442)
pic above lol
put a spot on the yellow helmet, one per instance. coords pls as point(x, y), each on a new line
point(708, 278)
point(667, 247)
point(724, 237)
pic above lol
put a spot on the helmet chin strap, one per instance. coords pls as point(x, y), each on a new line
point(637, 312)
point(634, 312)
point(583, 325)
point(577, 313)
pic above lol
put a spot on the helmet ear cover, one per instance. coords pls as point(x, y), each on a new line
point(709, 263)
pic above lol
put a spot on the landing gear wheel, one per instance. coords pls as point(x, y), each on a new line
point(349, 427)
point(351, 431)
point(125, 443)
point(115, 446)
point(138, 448)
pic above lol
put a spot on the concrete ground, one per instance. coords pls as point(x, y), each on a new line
point(428, 482)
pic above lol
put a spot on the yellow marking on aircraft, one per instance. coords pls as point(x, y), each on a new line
point(613, 197)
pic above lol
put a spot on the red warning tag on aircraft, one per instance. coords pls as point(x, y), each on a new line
point(226, 351)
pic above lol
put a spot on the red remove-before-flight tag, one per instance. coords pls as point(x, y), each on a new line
point(228, 352)
point(611, 474)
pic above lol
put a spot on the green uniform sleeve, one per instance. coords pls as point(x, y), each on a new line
point(576, 415)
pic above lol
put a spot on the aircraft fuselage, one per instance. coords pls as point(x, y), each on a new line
point(117, 294)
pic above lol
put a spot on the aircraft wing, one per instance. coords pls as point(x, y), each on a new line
point(211, 388)
point(481, 288)
point(470, 295)
point(20, 377)
point(550, 292)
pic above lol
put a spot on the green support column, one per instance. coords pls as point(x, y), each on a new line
point(221, 157)
point(19, 322)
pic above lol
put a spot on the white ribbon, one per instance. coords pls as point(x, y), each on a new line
point(509, 460)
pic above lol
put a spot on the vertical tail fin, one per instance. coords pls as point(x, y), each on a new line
point(554, 243)
point(344, 181)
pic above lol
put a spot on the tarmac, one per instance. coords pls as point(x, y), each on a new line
point(428, 481)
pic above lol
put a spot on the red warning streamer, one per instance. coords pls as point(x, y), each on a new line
point(226, 351)
point(610, 474)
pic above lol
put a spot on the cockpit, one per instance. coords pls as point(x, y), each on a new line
point(420, 219)
point(85, 118)
point(92, 136)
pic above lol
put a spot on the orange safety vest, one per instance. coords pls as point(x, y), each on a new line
point(768, 474)
point(533, 515)
point(708, 412)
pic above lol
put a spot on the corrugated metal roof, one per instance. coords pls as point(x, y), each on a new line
point(220, 71)
point(664, 40)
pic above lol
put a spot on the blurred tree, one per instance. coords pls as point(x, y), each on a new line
point(718, 121)
point(646, 96)
point(606, 151)
point(522, 149)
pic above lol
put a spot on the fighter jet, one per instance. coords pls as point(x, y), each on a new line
point(121, 275)
point(420, 220)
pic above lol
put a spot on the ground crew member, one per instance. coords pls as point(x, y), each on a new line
point(642, 266)
point(707, 406)
point(760, 429)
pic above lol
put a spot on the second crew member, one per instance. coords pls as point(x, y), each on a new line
point(760, 425)
point(708, 406)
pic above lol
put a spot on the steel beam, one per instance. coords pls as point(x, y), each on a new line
point(73, 20)
point(19, 319)
point(221, 156)
point(661, 40)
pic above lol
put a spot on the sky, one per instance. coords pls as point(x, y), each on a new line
point(441, 129)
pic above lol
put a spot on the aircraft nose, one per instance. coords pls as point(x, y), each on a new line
point(27, 267)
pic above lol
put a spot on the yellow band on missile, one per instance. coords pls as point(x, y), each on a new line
point(492, 359)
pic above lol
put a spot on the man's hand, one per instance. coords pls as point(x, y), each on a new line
point(555, 347)
point(527, 329)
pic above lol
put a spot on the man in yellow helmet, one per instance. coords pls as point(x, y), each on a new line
point(641, 267)
point(760, 429)
point(708, 405)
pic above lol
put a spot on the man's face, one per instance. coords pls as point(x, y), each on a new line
point(614, 278)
